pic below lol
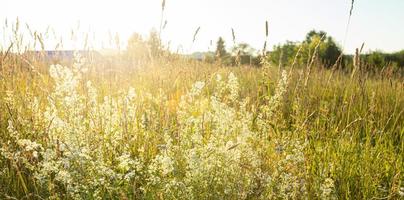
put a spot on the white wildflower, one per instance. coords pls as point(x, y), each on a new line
point(327, 188)
point(233, 85)
point(131, 94)
point(28, 145)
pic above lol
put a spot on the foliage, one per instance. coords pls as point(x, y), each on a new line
point(327, 50)
point(283, 55)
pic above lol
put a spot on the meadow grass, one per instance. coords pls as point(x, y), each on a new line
point(176, 128)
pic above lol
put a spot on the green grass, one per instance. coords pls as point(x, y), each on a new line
point(336, 137)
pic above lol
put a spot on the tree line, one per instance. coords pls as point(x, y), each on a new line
point(316, 47)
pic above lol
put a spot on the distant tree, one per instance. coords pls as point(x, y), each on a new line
point(398, 58)
point(328, 51)
point(243, 49)
point(376, 59)
point(284, 54)
point(209, 57)
point(154, 44)
point(137, 48)
point(313, 33)
point(220, 48)
point(243, 54)
point(394, 59)
point(221, 54)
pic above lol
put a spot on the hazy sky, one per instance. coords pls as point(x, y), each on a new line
point(378, 23)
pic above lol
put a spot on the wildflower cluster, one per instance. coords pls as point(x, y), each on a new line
point(91, 144)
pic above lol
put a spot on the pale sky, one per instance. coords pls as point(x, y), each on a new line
point(378, 23)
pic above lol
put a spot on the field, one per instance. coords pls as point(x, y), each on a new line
point(300, 121)
point(176, 128)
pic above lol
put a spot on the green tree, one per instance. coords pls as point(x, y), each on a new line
point(284, 54)
point(328, 51)
point(376, 59)
point(313, 33)
point(220, 48)
point(391, 59)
